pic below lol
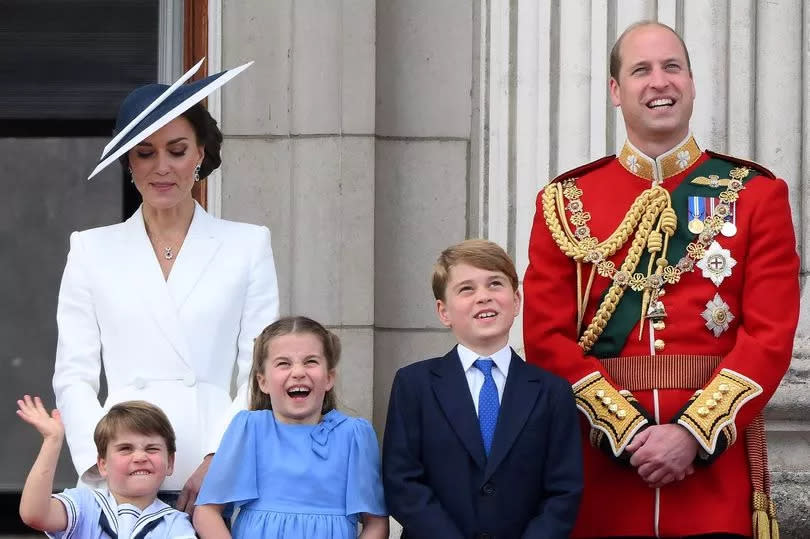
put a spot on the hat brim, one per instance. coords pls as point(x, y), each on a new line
point(160, 99)
point(177, 99)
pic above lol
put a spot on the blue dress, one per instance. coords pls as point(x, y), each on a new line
point(296, 481)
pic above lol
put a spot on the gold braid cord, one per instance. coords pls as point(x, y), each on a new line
point(650, 213)
point(764, 521)
point(653, 220)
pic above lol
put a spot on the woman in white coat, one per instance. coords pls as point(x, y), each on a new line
point(169, 301)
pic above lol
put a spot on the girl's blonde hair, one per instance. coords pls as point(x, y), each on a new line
point(287, 326)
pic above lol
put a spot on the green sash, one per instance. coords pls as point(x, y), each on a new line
point(628, 310)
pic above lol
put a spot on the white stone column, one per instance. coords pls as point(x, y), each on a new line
point(299, 157)
point(423, 122)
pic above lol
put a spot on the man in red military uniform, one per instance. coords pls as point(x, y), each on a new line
point(663, 284)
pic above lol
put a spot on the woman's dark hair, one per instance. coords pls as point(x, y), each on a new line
point(208, 135)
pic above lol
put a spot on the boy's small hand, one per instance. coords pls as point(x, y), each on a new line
point(33, 412)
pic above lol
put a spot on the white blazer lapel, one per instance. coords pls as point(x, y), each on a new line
point(148, 282)
point(199, 248)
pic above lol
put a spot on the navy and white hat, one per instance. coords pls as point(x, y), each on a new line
point(148, 108)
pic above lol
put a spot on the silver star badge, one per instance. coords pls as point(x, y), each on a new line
point(717, 315)
point(716, 263)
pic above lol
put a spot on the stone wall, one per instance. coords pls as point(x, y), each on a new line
point(424, 80)
point(299, 157)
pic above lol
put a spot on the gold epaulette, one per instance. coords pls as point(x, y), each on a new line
point(608, 410)
point(712, 410)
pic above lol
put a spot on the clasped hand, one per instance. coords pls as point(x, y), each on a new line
point(663, 454)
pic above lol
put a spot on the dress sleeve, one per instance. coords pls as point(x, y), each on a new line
point(231, 479)
point(260, 310)
point(364, 490)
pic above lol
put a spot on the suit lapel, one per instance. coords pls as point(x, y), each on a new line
point(519, 396)
point(197, 252)
point(147, 282)
point(450, 386)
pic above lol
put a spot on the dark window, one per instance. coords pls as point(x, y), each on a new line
point(73, 60)
point(65, 66)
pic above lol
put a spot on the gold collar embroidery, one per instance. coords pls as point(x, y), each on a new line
point(666, 165)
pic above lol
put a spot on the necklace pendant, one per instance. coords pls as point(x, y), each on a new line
point(167, 253)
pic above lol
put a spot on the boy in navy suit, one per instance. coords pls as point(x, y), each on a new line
point(478, 443)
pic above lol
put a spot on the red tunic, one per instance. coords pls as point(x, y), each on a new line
point(762, 293)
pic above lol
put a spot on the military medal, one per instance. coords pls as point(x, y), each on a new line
point(716, 264)
point(729, 228)
point(717, 315)
point(702, 207)
point(697, 213)
point(729, 216)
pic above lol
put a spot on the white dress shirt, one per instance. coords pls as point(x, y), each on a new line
point(475, 378)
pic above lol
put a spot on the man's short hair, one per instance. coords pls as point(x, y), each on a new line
point(615, 52)
point(481, 254)
point(139, 417)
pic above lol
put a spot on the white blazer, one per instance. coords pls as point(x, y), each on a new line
point(171, 342)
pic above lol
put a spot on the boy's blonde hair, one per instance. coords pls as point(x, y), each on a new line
point(286, 326)
point(140, 417)
point(478, 253)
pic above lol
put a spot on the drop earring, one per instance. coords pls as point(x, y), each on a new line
point(131, 175)
point(197, 173)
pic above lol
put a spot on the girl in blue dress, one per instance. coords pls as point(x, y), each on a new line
point(294, 465)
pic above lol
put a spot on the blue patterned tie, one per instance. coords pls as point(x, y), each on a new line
point(488, 404)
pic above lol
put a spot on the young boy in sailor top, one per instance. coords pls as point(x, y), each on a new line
point(136, 447)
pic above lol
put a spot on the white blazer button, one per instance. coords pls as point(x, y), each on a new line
point(139, 383)
point(190, 380)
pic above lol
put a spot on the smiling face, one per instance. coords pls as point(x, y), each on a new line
point(163, 164)
point(479, 306)
point(135, 466)
point(296, 376)
point(654, 87)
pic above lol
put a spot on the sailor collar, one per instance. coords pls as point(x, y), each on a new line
point(666, 165)
point(145, 521)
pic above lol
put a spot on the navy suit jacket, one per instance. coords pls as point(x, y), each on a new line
point(440, 484)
